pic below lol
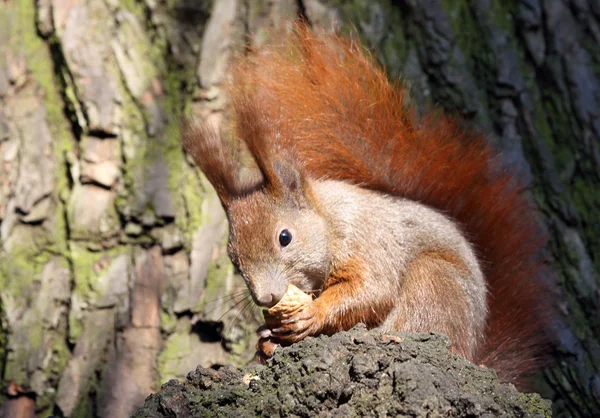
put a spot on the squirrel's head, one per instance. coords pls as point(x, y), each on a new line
point(277, 234)
point(276, 239)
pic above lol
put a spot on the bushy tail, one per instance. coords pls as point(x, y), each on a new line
point(336, 109)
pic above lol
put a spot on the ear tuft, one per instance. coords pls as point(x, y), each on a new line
point(290, 183)
point(289, 176)
point(218, 160)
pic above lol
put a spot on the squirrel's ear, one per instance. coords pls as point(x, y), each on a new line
point(290, 182)
point(216, 159)
point(288, 175)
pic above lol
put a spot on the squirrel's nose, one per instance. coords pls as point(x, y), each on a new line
point(268, 299)
point(266, 290)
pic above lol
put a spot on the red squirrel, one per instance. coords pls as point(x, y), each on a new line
point(399, 222)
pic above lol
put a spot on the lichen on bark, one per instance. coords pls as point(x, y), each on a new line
point(105, 84)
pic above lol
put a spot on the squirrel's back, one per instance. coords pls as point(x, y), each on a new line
point(337, 115)
point(396, 235)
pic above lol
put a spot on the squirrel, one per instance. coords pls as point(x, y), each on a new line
point(400, 222)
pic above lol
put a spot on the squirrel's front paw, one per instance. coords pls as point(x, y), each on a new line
point(295, 327)
point(293, 318)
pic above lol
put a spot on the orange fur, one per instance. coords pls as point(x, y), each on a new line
point(342, 308)
point(334, 111)
point(431, 281)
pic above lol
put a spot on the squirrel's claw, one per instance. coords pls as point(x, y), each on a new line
point(264, 350)
point(263, 332)
point(295, 328)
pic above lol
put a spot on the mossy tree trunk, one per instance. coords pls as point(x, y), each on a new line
point(112, 244)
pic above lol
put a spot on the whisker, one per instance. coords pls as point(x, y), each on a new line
point(239, 287)
point(233, 307)
point(223, 301)
point(247, 304)
point(228, 332)
point(228, 296)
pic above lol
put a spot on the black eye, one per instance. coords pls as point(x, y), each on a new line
point(285, 237)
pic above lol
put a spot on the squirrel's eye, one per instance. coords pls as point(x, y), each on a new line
point(285, 237)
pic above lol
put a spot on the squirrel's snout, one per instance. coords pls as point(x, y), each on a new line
point(266, 290)
point(268, 299)
point(266, 296)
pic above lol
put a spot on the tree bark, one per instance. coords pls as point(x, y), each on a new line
point(112, 261)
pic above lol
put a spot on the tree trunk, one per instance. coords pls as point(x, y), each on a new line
point(113, 273)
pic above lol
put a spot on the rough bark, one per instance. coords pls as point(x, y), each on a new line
point(112, 260)
point(351, 374)
point(112, 243)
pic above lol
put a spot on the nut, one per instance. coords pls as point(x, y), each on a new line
point(291, 303)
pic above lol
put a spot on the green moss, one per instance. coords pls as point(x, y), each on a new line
point(183, 180)
point(392, 50)
point(23, 266)
point(144, 51)
point(352, 11)
point(59, 355)
point(141, 150)
point(461, 20)
point(557, 117)
point(535, 405)
point(180, 174)
point(15, 368)
point(86, 407)
point(239, 325)
point(176, 347)
point(172, 151)
point(70, 94)
point(41, 65)
point(168, 321)
point(218, 272)
point(88, 267)
point(239, 348)
point(133, 142)
point(134, 6)
point(560, 132)
point(586, 197)
point(541, 124)
point(191, 212)
point(502, 13)
point(18, 270)
point(75, 327)
point(470, 38)
point(20, 277)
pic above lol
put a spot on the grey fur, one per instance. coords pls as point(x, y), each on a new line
point(363, 221)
